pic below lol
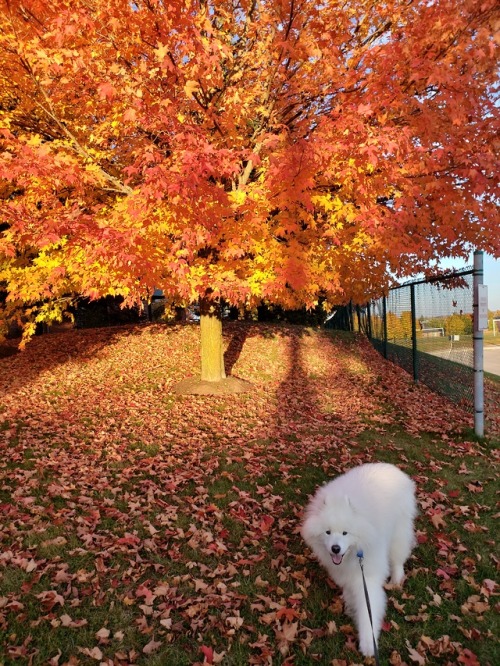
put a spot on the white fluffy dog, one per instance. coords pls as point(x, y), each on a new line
point(370, 510)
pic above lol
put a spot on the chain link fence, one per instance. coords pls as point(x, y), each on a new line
point(426, 327)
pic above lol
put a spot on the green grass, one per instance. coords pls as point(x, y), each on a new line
point(182, 528)
point(492, 377)
point(262, 577)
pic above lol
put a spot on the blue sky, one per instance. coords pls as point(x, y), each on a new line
point(492, 279)
point(491, 268)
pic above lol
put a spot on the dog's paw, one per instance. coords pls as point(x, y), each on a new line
point(366, 646)
point(394, 584)
point(397, 577)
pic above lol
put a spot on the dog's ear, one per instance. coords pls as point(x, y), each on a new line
point(350, 504)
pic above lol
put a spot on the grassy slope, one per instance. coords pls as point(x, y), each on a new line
point(146, 528)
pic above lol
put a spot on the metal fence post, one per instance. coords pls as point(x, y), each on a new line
point(384, 323)
point(414, 333)
point(478, 349)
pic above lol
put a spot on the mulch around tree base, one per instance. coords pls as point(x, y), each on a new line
point(227, 386)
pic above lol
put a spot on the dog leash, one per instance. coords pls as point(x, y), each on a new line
point(359, 554)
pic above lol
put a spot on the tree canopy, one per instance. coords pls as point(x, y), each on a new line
point(283, 151)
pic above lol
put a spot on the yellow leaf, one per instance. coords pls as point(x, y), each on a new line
point(190, 88)
point(238, 197)
point(161, 52)
point(34, 140)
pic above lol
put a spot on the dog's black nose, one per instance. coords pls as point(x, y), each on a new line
point(335, 550)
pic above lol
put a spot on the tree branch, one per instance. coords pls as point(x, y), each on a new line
point(243, 179)
point(118, 185)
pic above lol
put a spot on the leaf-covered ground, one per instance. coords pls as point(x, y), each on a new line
point(141, 527)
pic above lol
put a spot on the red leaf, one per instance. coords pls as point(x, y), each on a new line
point(287, 613)
point(208, 653)
point(106, 90)
point(468, 658)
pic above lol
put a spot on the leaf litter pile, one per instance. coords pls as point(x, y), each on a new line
point(143, 527)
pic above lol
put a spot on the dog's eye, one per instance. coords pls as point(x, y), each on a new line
point(328, 531)
point(344, 533)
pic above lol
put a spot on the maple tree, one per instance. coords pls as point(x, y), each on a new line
point(285, 151)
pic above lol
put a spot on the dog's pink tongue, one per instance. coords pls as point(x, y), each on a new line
point(337, 558)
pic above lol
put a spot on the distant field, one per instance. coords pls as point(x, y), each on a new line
point(443, 343)
point(490, 339)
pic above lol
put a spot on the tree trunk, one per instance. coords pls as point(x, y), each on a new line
point(213, 375)
point(212, 351)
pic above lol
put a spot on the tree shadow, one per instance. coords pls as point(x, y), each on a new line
point(320, 408)
point(296, 400)
point(232, 354)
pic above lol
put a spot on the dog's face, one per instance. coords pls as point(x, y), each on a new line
point(332, 526)
point(338, 543)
